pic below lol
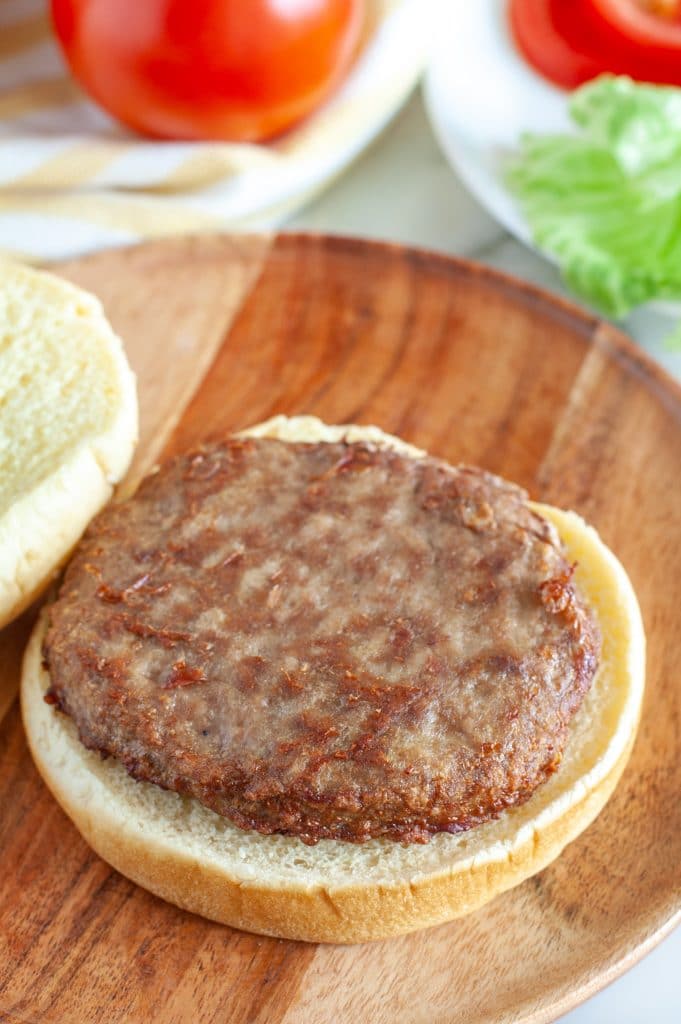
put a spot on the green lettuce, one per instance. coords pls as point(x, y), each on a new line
point(606, 202)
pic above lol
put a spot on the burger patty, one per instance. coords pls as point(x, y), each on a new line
point(325, 640)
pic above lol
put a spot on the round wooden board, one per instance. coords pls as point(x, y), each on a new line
point(476, 367)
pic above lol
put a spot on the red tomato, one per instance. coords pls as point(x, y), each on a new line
point(557, 44)
point(243, 70)
point(570, 43)
point(656, 24)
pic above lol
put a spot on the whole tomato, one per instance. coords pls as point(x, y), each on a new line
point(243, 70)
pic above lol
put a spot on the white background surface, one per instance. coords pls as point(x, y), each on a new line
point(481, 103)
point(403, 190)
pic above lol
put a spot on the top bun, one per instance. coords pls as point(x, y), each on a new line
point(68, 425)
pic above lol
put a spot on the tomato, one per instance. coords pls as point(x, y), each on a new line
point(559, 44)
point(644, 24)
point(244, 70)
point(570, 43)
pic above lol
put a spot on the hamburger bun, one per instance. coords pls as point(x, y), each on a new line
point(338, 891)
point(68, 425)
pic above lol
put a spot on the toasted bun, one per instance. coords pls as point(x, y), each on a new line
point(68, 425)
point(343, 892)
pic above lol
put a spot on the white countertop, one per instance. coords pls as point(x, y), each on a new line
point(403, 190)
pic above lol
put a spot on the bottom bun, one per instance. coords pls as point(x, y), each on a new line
point(345, 892)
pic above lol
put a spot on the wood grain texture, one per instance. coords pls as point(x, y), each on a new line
point(177, 313)
point(474, 367)
point(13, 639)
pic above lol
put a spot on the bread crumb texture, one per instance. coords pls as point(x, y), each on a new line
point(68, 424)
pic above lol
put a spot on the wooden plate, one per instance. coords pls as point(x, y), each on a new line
point(473, 366)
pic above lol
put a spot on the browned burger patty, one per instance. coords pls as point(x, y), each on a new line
point(325, 640)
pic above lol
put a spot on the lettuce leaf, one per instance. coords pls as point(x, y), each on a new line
point(606, 202)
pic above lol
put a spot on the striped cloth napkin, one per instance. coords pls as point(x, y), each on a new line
point(73, 180)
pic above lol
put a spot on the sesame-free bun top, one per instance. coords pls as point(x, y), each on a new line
point(68, 425)
point(338, 891)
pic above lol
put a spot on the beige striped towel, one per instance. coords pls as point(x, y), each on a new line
point(72, 180)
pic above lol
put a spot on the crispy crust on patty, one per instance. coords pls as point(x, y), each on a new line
point(325, 640)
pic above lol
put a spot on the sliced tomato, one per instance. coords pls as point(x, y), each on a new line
point(571, 43)
point(557, 44)
point(644, 24)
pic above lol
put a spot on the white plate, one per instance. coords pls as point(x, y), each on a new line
point(481, 96)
